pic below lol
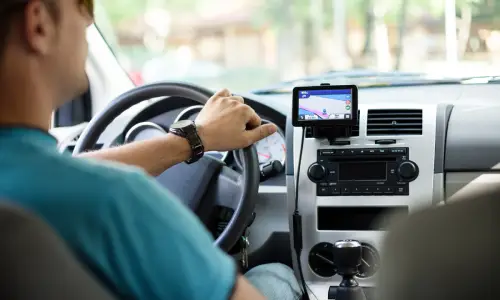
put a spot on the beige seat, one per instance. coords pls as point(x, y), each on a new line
point(449, 252)
point(36, 264)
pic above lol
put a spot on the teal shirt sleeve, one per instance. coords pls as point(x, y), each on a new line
point(157, 248)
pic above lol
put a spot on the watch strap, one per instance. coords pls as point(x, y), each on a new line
point(190, 133)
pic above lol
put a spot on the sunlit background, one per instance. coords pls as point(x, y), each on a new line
point(247, 44)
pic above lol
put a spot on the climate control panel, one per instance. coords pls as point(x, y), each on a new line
point(373, 171)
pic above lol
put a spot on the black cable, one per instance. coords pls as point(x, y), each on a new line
point(297, 224)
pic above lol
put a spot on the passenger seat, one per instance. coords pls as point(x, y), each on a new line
point(445, 253)
point(36, 264)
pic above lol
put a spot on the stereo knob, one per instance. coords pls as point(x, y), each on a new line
point(408, 171)
point(316, 172)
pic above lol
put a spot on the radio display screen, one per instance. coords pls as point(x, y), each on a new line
point(362, 171)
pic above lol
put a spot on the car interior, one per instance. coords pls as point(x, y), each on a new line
point(412, 220)
point(452, 143)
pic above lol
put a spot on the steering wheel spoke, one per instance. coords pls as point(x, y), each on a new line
point(227, 188)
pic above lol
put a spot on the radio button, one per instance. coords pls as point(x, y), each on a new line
point(316, 172)
point(332, 176)
point(398, 150)
point(357, 190)
point(335, 191)
point(402, 190)
point(328, 152)
point(346, 191)
point(323, 191)
point(388, 190)
point(408, 171)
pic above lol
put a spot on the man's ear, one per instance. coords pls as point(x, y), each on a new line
point(39, 27)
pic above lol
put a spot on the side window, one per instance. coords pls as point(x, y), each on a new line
point(75, 112)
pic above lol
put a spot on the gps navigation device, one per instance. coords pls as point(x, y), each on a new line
point(325, 106)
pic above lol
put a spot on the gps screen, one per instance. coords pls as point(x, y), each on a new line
point(316, 105)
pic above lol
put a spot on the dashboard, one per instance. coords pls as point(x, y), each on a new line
point(466, 140)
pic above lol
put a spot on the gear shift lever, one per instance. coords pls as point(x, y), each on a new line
point(347, 258)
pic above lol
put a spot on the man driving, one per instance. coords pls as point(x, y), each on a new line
point(136, 237)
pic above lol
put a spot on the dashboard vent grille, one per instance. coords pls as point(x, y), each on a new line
point(394, 122)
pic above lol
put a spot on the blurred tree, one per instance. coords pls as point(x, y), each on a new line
point(120, 10)
point(401, 33)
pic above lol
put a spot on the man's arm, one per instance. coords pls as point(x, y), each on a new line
point(225, 123)
point(154, 156)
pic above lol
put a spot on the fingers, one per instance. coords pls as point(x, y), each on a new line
point(259, 133)
point(254, 120)
point(237, 99)
point(222, 93)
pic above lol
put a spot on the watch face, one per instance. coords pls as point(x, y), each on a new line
point(182, 124)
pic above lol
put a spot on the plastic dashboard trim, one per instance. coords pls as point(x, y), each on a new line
point(443, 115)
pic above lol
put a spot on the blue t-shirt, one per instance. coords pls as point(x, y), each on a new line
point(136, 236)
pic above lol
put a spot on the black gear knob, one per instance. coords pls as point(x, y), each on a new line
point(347, 257)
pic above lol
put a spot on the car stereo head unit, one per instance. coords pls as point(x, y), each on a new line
point(325, 106)
point(367, 172)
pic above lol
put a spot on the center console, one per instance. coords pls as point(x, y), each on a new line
point(350, 188)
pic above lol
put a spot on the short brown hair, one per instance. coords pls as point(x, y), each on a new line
point(12, 9)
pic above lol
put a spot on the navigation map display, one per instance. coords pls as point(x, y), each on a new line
point(325, 104)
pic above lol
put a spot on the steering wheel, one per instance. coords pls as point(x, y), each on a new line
point(206, 183)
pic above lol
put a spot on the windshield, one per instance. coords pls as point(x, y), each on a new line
point(249, 44)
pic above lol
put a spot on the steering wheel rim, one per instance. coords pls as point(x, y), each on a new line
point(250, 179)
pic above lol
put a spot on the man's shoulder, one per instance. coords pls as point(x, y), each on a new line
point(91, 180)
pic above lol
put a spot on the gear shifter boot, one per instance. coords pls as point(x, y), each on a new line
point(347, 258)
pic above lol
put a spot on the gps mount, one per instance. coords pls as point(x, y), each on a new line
point(332, 133)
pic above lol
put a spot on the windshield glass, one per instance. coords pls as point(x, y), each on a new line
point(248, 44)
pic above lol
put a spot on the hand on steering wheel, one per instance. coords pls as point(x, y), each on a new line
point(226, 123)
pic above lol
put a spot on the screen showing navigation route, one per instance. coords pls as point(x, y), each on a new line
point(316, 105)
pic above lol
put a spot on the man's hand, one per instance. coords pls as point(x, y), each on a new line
point(227, 123)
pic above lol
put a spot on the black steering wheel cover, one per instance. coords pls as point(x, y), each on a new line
point(250, 177)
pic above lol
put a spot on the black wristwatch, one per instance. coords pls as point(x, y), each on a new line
point(187, 129)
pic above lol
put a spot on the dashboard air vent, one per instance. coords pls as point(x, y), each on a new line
point(394, 122)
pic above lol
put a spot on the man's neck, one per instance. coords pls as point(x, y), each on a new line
point(24, 105)
point(26, 91)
